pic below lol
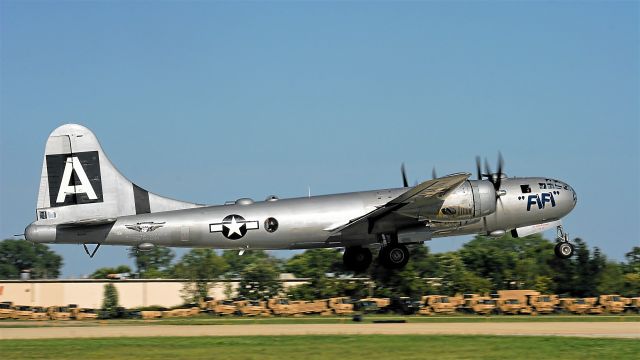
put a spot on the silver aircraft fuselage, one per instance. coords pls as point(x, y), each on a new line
point(307, 222)
point(84, 199)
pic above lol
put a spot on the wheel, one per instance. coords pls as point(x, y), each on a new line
point(394, 256)
point(357, 258)
point(563, 250)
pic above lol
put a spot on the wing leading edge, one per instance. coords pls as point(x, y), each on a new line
point(426, 197)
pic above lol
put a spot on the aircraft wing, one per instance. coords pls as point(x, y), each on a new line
point(424, 198)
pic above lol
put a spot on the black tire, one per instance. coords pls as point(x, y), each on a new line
point(394, 256)
point(563, 250)
point(357, 259)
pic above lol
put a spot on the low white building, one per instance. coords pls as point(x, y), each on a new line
point(89, 293)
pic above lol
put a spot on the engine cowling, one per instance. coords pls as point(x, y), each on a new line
point(473, 199)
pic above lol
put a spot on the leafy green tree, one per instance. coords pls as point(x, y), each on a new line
point(394, 283)
point(102, 273)
point(544, 284)
point(110, 301)
point(199, 267)
point(563, 277)
point(491, 258)
point(633, 260)
point(631, 269)
point(585, 282)
point(403, 282)
point(630, 284)
point(153, 263)
point(610, 279)
point(322, 287)
point(426, 264)
point(515, 262)
point(456, 279)
point(237, 263)
point(315, 262)
point(260, 280)
point(19, 255)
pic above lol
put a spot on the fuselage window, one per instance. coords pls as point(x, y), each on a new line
point(525, 189)
point(271, 224)
point(43, 215)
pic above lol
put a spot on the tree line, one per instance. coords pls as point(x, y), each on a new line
point(482, 265)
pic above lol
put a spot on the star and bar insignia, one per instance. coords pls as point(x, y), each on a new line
point(234, 226)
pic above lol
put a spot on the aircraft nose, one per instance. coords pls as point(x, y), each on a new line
point(574, 196)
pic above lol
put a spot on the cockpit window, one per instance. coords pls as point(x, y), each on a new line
point(542, 185)
point(525, 189)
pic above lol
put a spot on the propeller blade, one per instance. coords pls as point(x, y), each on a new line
point(433, 173)
point(479, 167)
point(405, 183)
point(498, 179)
point(487, 169)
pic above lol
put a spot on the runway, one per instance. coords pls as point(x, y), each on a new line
point(629, 330)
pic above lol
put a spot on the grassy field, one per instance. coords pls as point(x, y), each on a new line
point(325, 347)
point(231, 320)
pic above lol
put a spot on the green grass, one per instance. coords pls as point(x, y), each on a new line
point(232, 320)
point(345, 347)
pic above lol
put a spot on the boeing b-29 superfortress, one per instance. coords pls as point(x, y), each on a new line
point(83, 199)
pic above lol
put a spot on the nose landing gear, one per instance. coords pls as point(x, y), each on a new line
point(563, 248)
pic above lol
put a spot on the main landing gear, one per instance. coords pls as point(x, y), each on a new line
point(392, 255)
point(356, 258)
point(563, 248)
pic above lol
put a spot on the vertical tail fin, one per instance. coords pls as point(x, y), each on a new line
point(79, 184)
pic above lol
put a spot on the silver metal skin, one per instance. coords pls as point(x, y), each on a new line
point(83, 199)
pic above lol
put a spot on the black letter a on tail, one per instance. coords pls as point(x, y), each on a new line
point(74, 178)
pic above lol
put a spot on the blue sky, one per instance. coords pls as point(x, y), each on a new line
point(212, 101)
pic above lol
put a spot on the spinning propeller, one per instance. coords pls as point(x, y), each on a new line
point(495, 178)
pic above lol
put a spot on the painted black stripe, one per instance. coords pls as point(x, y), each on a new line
point(141, 198)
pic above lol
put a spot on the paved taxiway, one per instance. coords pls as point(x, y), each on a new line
point(629, 330)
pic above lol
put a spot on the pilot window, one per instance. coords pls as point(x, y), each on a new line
point(525, 189)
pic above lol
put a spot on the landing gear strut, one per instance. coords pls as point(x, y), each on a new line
point(563, 248)
point(356, 258)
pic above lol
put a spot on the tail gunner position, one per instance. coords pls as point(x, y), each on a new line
point(84, 199)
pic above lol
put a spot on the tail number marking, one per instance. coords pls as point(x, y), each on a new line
point(73, 164)
point(74, 178)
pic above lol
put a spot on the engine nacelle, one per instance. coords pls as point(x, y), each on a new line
point(472, 199)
